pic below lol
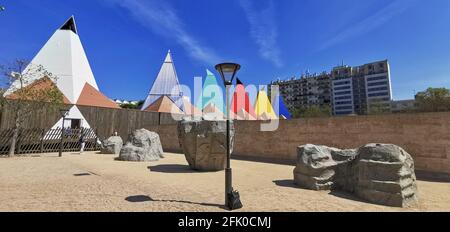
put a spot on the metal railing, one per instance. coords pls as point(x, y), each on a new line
point(32, 141)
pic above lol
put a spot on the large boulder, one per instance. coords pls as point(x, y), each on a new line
point(384, 174)
point(378, 173)
point(143, 145)
point(112, 145)
point(321, 167)
point(204, 143)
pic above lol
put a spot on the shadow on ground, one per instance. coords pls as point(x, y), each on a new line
point(336, 193)
point(143, 198)
point(285, 183)
point(82, 174)
point(171, 168)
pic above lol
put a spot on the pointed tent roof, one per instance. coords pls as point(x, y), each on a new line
point(211, 93)
point(280, 108)
point(241, 100)
point(92, 97)
point(164, 105)
point(42, 84)
point(70, 25)
point(263, 108)
point(166, 84)
point(211, 112)
point(190, 109)
point(244, 115)
point(63, 55)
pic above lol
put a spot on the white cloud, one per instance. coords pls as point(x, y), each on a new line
point(161, 18)
point(372, 22)
point(263, 30)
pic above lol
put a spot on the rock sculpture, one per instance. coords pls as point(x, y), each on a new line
point(378, 173)
point(112, 145)
point(204, 143)
point(143, 145)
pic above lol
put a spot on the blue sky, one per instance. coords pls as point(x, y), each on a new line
point(126, 40)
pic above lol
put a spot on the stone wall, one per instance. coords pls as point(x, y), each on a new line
point(425, 136)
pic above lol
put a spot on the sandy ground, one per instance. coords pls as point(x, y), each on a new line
point(94, 182)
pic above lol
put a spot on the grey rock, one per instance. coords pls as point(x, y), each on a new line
point(204, 143)
point(143, 145)
point(378, 173)
point(321, 167)
point(112, 145)
point(384, 174)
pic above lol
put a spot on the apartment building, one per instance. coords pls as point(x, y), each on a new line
point(347, 90)
point(307, 91)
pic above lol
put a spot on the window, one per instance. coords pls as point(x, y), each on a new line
point(379, 94)
point(342, 88)
point(344, 103)
point(75, 123)
point(377, 83)
point(376, 78)
point(342, 98)
point(378, 89)
point(343, 93)
point(341, 83)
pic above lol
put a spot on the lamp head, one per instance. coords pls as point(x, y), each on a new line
point(64, 112)
point(228, 72)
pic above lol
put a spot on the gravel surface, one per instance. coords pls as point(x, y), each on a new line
point(94, 182)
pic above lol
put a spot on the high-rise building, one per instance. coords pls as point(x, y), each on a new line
point(347, 90)
point(309, 90)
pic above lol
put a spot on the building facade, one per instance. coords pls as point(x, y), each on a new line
point(347, 90)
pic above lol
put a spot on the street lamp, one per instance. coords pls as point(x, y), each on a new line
point(64, 113)
point(228, 72)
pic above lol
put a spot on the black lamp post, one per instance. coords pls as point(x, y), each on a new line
point(228, 72)
point(64, 113)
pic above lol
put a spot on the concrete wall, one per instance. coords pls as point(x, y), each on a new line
point(425, 136)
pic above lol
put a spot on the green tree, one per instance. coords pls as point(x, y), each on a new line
point(433, 100)
point(31, 89)
point(137, 106)
point(315, 111)
point(379, 107)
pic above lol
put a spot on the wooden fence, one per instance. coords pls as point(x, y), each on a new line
point(107, 121)
point(31, 141)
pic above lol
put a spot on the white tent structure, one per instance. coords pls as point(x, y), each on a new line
point(166, 84)
point(63, 56)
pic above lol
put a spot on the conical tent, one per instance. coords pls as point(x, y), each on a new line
point(211, 93)
point(263, 108)
point(241, 101)
point(166, 84)
point(280, 108)
point(164, 105)
point(190, 109)
point(211, 112)
point(63, 55)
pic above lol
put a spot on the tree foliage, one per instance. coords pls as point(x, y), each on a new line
point(379, 107)
point(433, 100)
point(31, 88)
point(314, 111)
point(137, 106)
